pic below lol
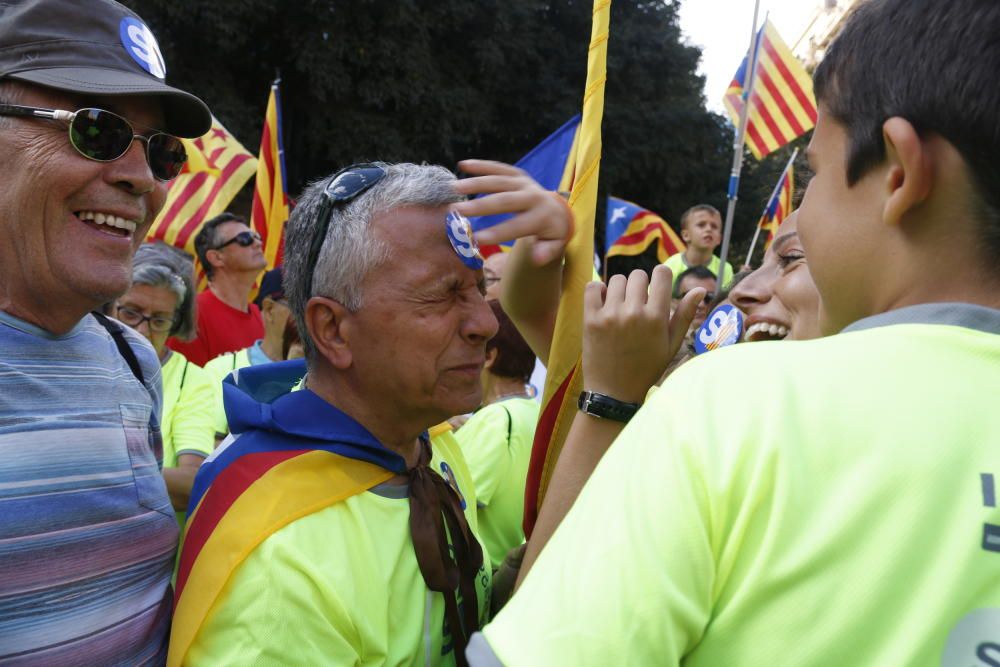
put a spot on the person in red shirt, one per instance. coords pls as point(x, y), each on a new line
point(232, 256)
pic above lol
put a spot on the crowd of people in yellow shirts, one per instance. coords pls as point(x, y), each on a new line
point(326, 463)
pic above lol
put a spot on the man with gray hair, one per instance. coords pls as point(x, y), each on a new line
point(354, 540)
point(87, 533)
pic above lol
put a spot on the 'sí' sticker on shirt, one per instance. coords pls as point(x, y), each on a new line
point(449, 477)
point(459, 231)
point(722, 327)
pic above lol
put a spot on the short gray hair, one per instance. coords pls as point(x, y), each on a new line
point(160, 265)
point(350, 251)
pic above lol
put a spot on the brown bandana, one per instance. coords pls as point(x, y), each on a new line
point(433, 505)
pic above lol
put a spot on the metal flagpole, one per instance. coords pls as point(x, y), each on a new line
point(734, 175)
point(777, 186)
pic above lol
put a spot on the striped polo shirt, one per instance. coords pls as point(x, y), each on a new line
point(87, 533)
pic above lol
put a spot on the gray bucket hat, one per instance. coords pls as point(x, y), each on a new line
point(95, 47)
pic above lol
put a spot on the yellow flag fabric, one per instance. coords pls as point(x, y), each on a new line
point(564, 382)
point(270, 204)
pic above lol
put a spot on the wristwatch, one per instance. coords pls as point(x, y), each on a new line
point(605, 407)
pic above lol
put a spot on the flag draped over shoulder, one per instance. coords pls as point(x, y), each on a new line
point(217, 167)
point(548, 163)
point(782, 104)
point(630, 229)
point(240, 496)
point(270, 202)
point(780, 204)
point(564, 380)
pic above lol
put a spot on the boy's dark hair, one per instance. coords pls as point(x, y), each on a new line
point(699, 272)
point(694, 209)
point(514, 357)
point(205, 240)
point(933, 63)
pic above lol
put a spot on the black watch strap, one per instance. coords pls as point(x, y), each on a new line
point(605, 407)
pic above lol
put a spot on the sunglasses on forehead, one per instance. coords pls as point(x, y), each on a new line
point(244, 239)
point(102, 136)
point(342, 187)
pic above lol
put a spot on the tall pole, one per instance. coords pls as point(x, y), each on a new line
point(774, 193)
point(734, 174)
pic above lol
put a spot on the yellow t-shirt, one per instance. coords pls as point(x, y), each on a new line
point(496, 443)
point(843, 519)
point(341, 586)
point(678, 265)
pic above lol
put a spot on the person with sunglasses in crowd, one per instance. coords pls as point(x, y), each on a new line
point(367, 549)
point(160, 304)
point(232, 257)
point(696, 276)
point(88, 135)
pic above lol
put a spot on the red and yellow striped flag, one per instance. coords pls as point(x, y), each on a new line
point(217, 167)
point(782, 104)
point(564, 381)
point(270, 203)
point(780, 205)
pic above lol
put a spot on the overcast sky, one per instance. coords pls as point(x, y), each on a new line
point(722, 29)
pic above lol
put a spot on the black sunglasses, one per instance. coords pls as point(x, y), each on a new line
point(102, 136)
point(245, 239)
point(342, 187)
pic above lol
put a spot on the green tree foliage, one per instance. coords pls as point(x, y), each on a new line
point(439, 81)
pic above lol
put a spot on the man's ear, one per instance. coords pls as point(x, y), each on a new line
point(685, 235)
point(325, 320)
point(214, 258)
point(491, 357)
point(910, 175)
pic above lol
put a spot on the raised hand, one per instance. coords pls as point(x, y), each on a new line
point(538, 213)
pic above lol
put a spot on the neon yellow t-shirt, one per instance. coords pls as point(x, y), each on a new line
point(496, 443)
point(340, 586)
point(678, 265)
point(218, 369)
point(189, 399)
point(840, 516)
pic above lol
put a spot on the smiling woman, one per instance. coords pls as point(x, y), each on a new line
point(780, 299)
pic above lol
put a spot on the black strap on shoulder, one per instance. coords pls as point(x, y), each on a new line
point(184, 373)
point(510, 423)
point(124, 348)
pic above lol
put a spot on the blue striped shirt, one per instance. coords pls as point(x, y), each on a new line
point(87, 532)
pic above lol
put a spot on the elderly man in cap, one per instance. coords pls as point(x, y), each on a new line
point(332, 528)
point(87, 533)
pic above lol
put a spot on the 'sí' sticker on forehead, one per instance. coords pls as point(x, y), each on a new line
point(459, 231)
point(722, 327)
point(140, 44)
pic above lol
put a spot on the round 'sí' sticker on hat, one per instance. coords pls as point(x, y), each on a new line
point(140, 43)
point(459, 231)
point(722, 327)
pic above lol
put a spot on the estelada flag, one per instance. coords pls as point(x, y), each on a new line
point(564, 379)
point(270, 201)
point(782, 103)
point(630, 229)
point(779, 206)
point(217, 167)
point(547, 163)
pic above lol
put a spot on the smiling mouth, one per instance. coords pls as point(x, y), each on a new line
point(107, 223)
point(764, 331)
